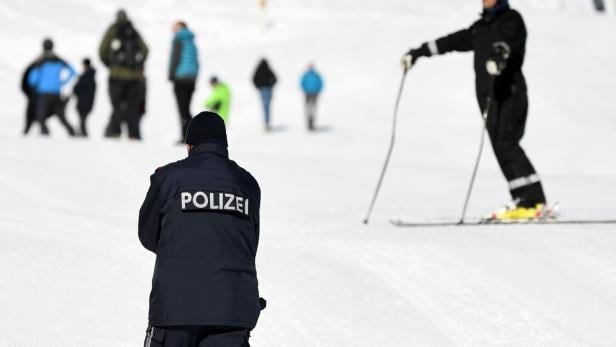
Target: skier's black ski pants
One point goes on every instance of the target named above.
(196, 336)
(506, 124)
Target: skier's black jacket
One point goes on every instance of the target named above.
(201, 218)
(505, 25)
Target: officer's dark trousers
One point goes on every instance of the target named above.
(47, 104)
(125, 100)
(506, 123)
(311, 109)
(196, 336)
(184, 90)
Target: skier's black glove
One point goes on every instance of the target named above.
(409, 59)
(498, 59)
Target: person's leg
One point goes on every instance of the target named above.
(226, 337)
(506, 124)
(43, 108)
(82, 123)
(114, 128)
(183, 95)
(312, 107)
(266, 99)
(59, 108)
(133, 99)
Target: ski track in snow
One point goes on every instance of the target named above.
(72, 271)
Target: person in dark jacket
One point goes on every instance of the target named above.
(124, 52)
(264, 80)
(201, 219)
(312, 84)
(85, 90)
(183, 72)
(498, 40)
(46, 80)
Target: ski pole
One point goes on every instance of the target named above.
(390, 150)
(484, 129)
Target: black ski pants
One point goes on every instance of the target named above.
(311, 109)
(184, 90)
(126, 97)
(48, 104)
(196, 336)
(506, 123)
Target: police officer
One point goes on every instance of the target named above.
(201, 219)
(498, 40)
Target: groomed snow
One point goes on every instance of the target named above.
(72, 271)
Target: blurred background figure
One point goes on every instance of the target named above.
(220, 99)
(312, 84)
(30, 96)
(183, 71)
(264, 80)
(45, 78)
(124, 52)
(599, 5)
(85, 90)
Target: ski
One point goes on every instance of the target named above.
(410, 224)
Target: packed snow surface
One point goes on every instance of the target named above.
(72, 271)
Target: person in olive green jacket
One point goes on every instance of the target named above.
(124, 52)
(220, 99)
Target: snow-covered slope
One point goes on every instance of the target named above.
(72, 272)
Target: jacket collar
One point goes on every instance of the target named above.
(212, 148)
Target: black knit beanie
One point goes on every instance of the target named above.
(206, 127)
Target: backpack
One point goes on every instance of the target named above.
(125, 48)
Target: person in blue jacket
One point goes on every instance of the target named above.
(312, 84)
(183, 71)
(47, 78)
(201, 218)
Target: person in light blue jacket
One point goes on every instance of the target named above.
(312, 84)
(47, 78)
(183, 71)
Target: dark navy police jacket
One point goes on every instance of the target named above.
(201, 218)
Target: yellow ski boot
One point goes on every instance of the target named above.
(512, 213)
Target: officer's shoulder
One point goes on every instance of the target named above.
(167, 169)
(248, 177)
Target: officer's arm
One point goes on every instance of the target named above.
(175, 58)
(150, 215)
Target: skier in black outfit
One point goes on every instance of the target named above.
(85, 89)
(264, 80)
(498, 40)
(201, 218)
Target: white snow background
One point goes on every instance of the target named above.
(72, 271)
